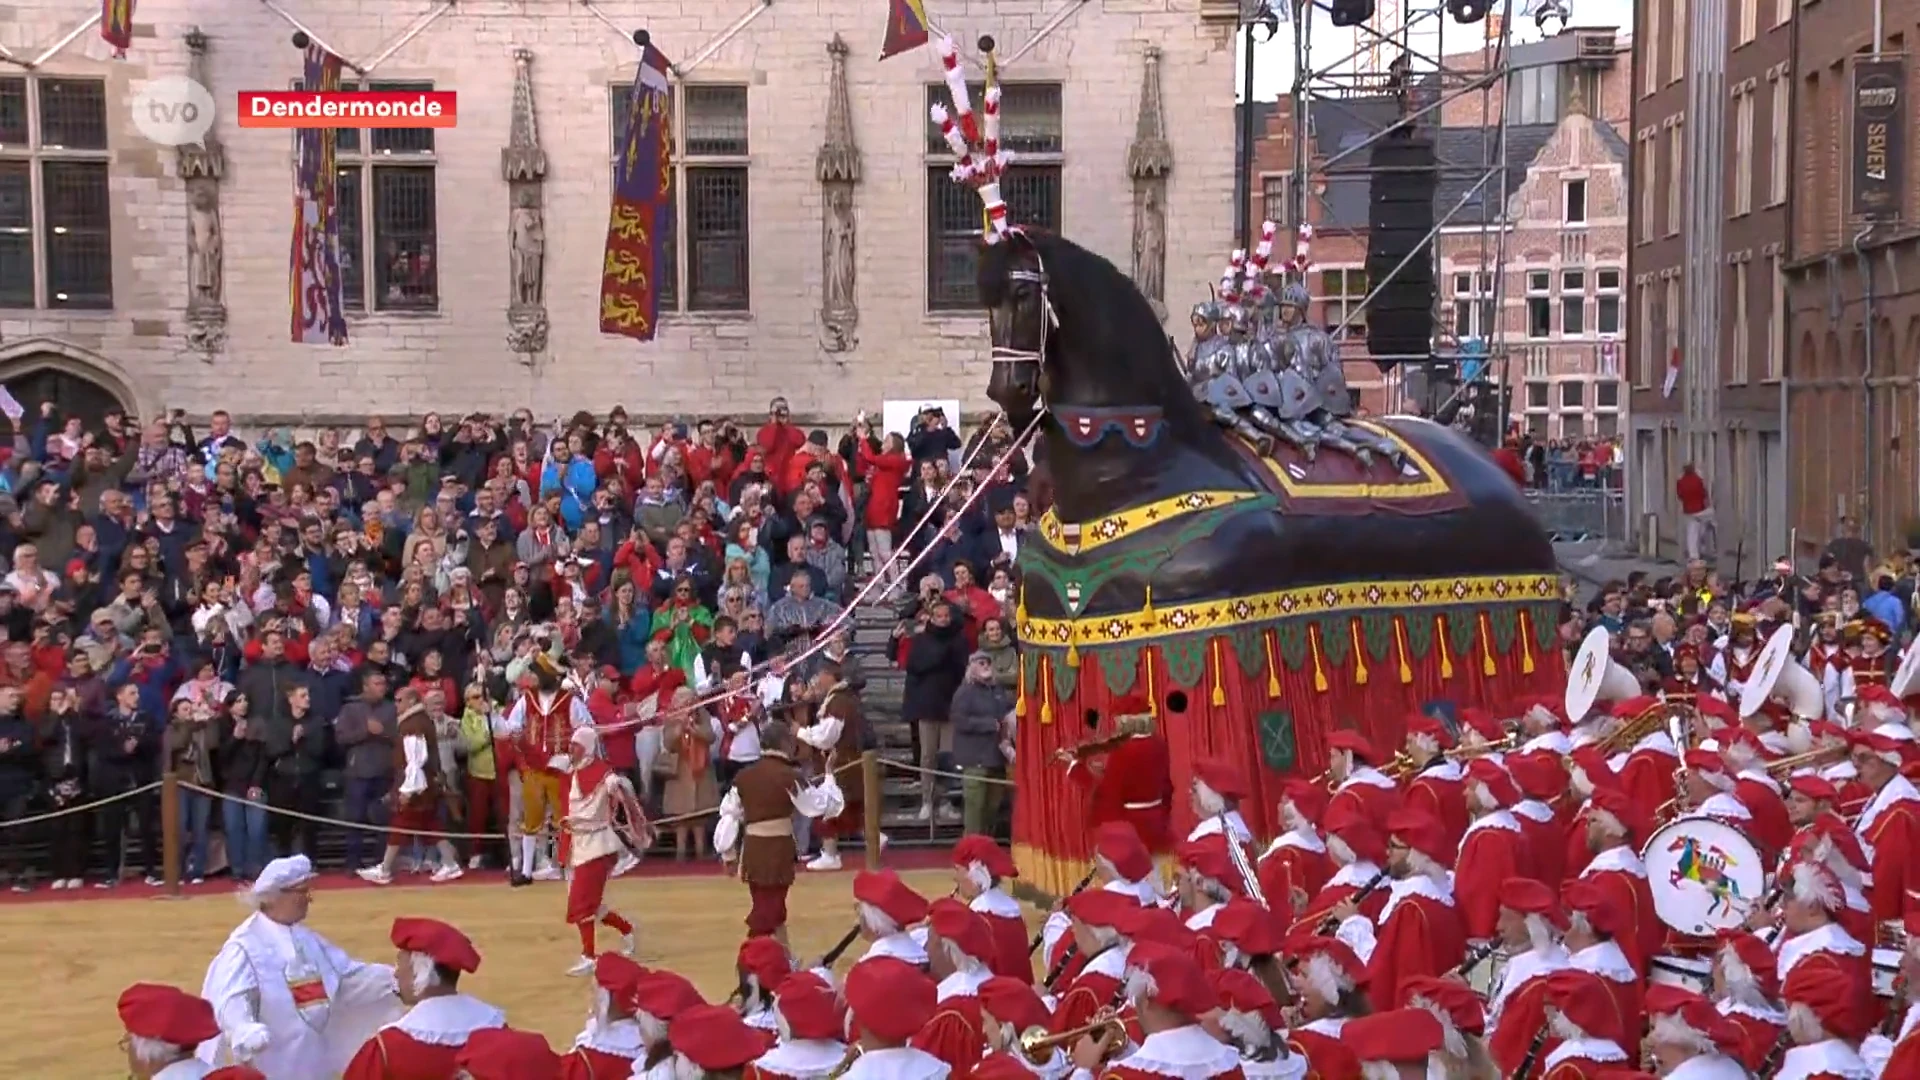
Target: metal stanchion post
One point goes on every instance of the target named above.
(170, 830)
(870, 782)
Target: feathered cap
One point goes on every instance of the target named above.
(979, 159)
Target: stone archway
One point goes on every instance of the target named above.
(79, 381)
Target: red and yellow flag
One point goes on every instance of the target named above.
(906, 27)
(116, 25)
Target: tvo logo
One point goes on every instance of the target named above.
(173, 111)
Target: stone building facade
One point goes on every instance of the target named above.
(101, 220)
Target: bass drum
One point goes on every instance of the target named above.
(1705, 875)
(1686, 972)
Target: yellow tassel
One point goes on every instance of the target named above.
(1046, 694)
(1146, 612)
(1020, 608)
(1153, 698)
(1359, 654)
(1273, 672)
(1486, 647)
(1073, 645)
(1313, 646)
(1020, 702)
(1400, 643)
(1526, 644)
(1219, 689)
(1440, 643)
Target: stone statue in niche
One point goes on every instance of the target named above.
(529, 240)
(205, 247)
(837, 256)
(1150, 242)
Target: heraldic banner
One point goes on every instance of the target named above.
(642, 198)
(116, 26)
(319, 309)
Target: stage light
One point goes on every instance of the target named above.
(1551, 17)
(1351, 12)
(1467, 11)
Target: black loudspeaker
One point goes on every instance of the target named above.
(1468, 11)
(1351, 12)
(1399, 250)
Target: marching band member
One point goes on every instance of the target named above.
(1122, 864)
(595, 792)
(1587, 772)
(812, 1025)
(1709, 790)
(1614, 830)
(1854, 795)
(1869, 661)
(507, 1054)
(885, 908)
(1530, 923)
(960, 952)
(979, 866)
(1811, 935)
(1580, 1015)
(1688, 1039)
(289, 1001)
(1170, 995)
(1811, 796)
(1462, 1019)
(711, 1041)
(1593, 919)
(1825, 1022)
(1545, 727)
(1480, 733)
(658, 997)
(1827, 657)
(1097, 918)
(1354, 765)
(1900, 1055)
(1646, 769)
(1214, 795)
(1757, 790)
(1879, 708)
(1889, 826)
(1743, 991)
(1007, 1008)
(891, 1000)
(1131, 781)
(1360, 852)
(1251, 1023)
(1829, 843)
(1419, 931)
(763, 964)
(755, 834)
(610, 1043)
(1253, 939)
(1330, 981)
(1296, 865)
(1405, 1044)
(1492, 852)
(1596, 728)
(1202, 878)
(1438, 783)
(1688, 685)
(541, 725)
(1732, 666)
(1541, 781)
(439, 1018)
(163, 1025)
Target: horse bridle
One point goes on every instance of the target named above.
(1004, 354)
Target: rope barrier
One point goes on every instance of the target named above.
(68, 811)
(905, 767)
(848, 613)
(427, 834)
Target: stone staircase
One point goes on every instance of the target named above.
(886, 685)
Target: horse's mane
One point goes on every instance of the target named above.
(1104, 317)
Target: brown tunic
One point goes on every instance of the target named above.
(419, 811)
(844, 703)
(766, 794)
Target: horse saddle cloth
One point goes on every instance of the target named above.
(1227, 392)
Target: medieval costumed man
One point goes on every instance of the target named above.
(1009, 1007)
(980, 866)
(1530, 925)
(610, 1044)
(1826, 1022)
(1296, 865)
(163, 1025)
(1462, 1016)
(755, 833)
(1580, 1015)
(1869, 660)
(1744, 991)
(762, 965)
(1170, 995)
(1330, 998)
(891, 1000)
(1810, 929)
(1830, 843)
(1587, 772)
(1097, 917)
(1419, 930)
(598, 799)
(1205, 868)
(1215, 794)
(439, 1018)
(1130, 781)
(658, 998)
(1354, 766)
(1438, 783)
(1541, 781)
(1889, 826)
(1248, 937)
(889, 914)
(1493, 850)
(1397, 1045)
(1614, 829)
(710, 1042)
(1646, 769)
(1361, 880)
(421, 794)
(1732, 665)
(289, 1001)
(1122, 864)
(812, 1026)
(960, 951)
(541, 724)
(1251, 1021)
(507, 1054)
(1899, 1053)
(1688, 1039)
(1593, 922)
(834, 737)
(1759, 792)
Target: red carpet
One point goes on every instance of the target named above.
(652, 866)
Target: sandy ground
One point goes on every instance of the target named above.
(68, 962)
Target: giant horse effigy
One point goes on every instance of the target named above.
(1260, 565)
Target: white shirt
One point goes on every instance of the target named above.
(1709, 1067)
(901, 946)
(1831, 1056)
(897, 1063)
(1828, 939)
(1184, 1053)
(803, 1059)
(621, 1038)
(962, 984)
(447, 1021)
(1210, 825)
(188, 1069)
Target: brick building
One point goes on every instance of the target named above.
(1713, 85)
(1554, 291)
(1853, 438)
(94, 221)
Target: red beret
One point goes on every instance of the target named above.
(1420, 723)
(1833, 992)
(1530, 897)
(508, 1054)
(1633, 706)
(890, 998)
(1308, 798)
(1585, 1001)
(714, 1038)
(883, 889)
(617, 975)
(966, 928)
(1595, 904)
(1538, 774)
(1461, 1007)
(1209, 857)
(1495, 779)
(1119, 844)
(1483, 722)
(1153, 923)
(766, 960)
(664, 995)
(810, 1007)
(446, 946)
(1420, 831)
(978, 848)
(1175, 981)
(1225, 778)
(1753, 954)
(167, 1014)
(1131, 705)
(1814, 786)
(1240, 991)
(1102, 907)
(1399, 1037)
(1705, 761)
(1621, 807)
(1250, 927)
(1011, 1001)
(1355, 743)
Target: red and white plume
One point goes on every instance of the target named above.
(1255, 283)
(1300, 261)
(1231, 277)
(979, 160)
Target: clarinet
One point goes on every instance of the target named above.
(1034, 945)
(1060, 967)
(1477, 957)
(839, 948)
(1331, 924)
(1533, 1051)
(1771, 1064)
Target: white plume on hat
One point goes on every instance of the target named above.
(1815, 885)
(1324, 977)
(1454, 1043)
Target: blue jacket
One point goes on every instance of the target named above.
(633, 641)
(574, 482)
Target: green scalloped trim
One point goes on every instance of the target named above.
(1186, 659)
(1058, 575)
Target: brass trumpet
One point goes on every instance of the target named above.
(1784, 767)
(1402, 767)
(1037, 1044)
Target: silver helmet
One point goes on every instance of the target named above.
(1207, 311)
(1294, 294)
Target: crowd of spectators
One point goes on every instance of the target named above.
(254, 613)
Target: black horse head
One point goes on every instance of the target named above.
(1069, 328)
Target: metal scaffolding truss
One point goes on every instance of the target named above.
(1354, 88)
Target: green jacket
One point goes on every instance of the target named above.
(476, 741)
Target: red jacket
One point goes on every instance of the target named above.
(884, 474)
(1509, 462)
(779, 442)
(1691, 491)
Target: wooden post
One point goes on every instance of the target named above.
(875, 795)
(170, 830)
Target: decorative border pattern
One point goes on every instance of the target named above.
(1077, 537)
(1434, 482)
(1209, 616)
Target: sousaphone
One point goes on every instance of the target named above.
(1906, 680)
(1777, 674)
(1596, 677)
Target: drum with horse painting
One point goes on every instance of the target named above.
(1705, 875)
(1687, 972)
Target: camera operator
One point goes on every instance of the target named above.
(932, 439)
